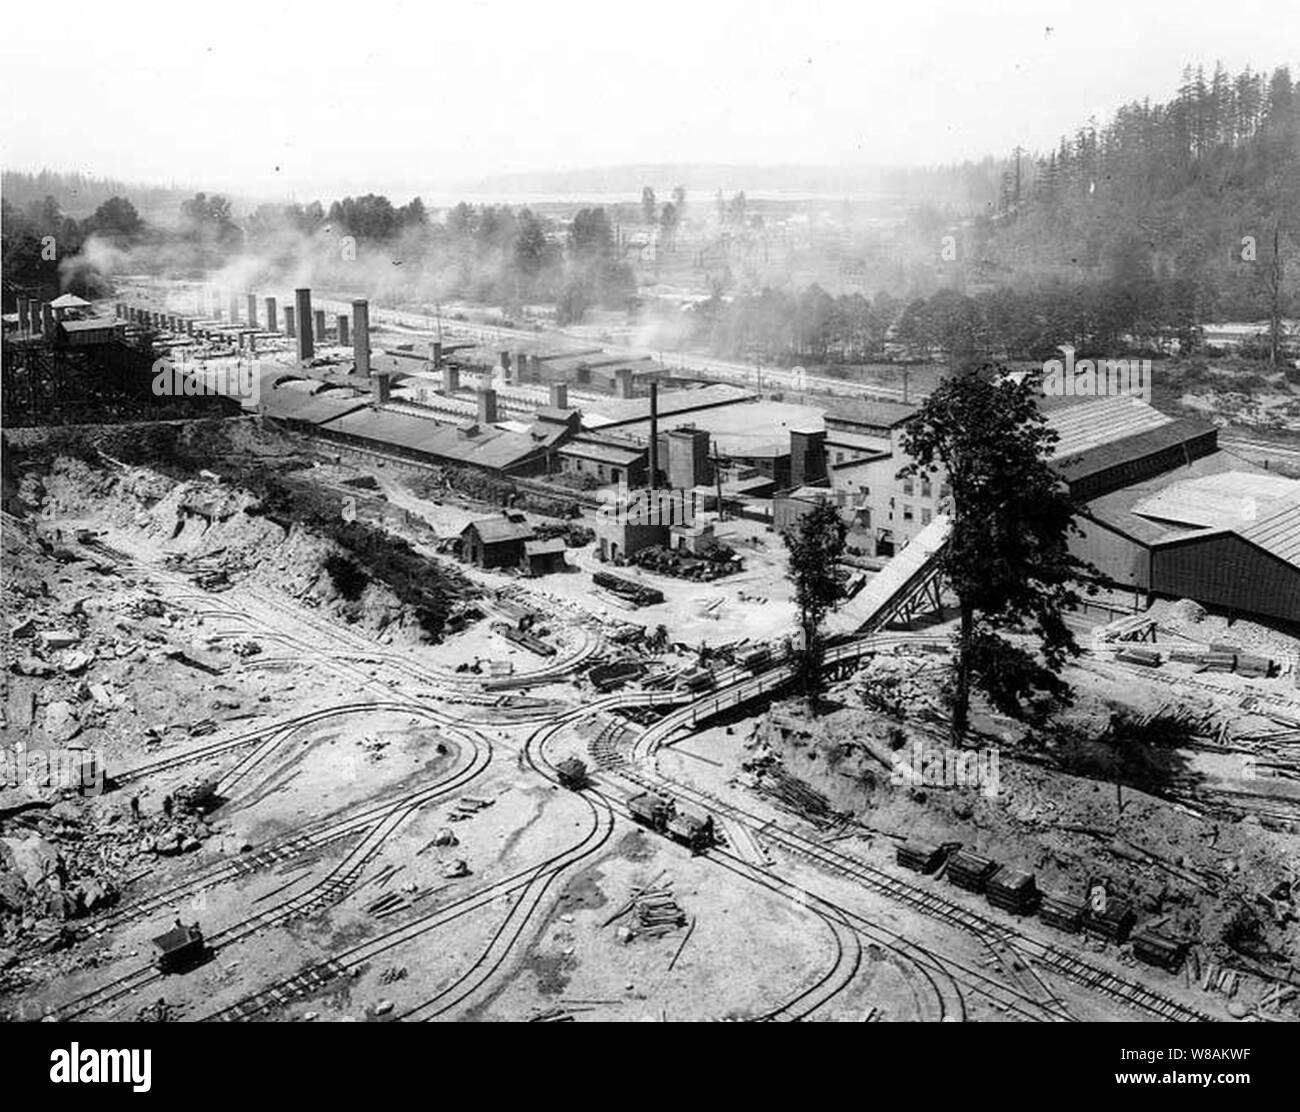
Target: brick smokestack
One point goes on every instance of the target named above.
(343, 329)
(623, 382)
(47, 319)
(361, 336)
(450, 380)
(559, 395)
(320, 325)
(289, 322)
(24, 315)
(505, 367)
(437, 355)
(382, 387)
(306, 348)
(654, 435)
(535, 368)
(272, 323)
(487, 405)
(252, 310)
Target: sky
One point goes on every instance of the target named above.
(285, 101)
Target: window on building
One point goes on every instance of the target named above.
(907, 513)
(907, 487)
(925, 488)
(944, 490)
(839, 457)
(925, 517)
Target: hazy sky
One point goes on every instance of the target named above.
(277, 99)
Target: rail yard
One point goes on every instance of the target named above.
(585, 795)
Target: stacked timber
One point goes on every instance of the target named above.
(1062, 912)
(1154, 948)
(1113, 923)
(1013, 890)
(920, 857)
(970, 870)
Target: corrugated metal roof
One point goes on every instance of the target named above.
(1279, 532)
(487, 448)
(1088, 424)
(603, 453)
(314, 409)
(862, 411)
(1125, 449)
(1231, 498)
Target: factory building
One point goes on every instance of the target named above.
(1165, 513)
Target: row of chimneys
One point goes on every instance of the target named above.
(36, 316)
(514, 368)
(298, 323)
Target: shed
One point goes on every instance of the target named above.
(495, 542)
(180, 948)
(543, 557)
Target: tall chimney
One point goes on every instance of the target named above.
(320, 325)
(306, 349)
(487, 405)
(234, 308)
(361, 336)
(654, 435)
(534, 368)
(272, 325)
(437, 355)
(382, 386)
(623, 382)
(24, 318)
(343, 329)
(559, 395)
(47, 319)
(289, 322)
(505, 367)
(450, 379)
(252, 310)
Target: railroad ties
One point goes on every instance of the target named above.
(280, 995)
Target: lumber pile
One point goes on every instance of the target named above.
(1062, 912)
(796, 796)
(920, 857)
(970, 870)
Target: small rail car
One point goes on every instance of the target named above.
(181, 948)
(660, 814)
(573, 774)
(698, 679)
(758, 657)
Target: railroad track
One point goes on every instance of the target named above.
(322, 892)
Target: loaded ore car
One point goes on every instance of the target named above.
(1154, 948)
(1113, 923)
(572, 773)
(181, 948)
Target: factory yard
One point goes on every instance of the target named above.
(371, 822)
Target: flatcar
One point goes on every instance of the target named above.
(698, 679)
(758, 657)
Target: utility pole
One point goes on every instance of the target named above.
(1275, 289)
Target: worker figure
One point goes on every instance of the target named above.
(135, 807)
(167, 806)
